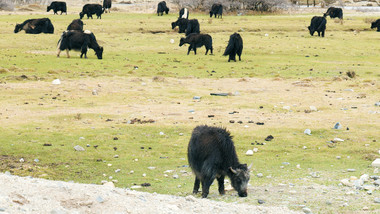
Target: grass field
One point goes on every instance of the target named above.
(283, 72)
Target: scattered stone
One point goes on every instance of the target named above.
(338, 157)
(161, 133)
(116, 156)
(377, 200)
(88, 145)
(285, 163)
(131, 172)
(346, 182)
(337, 125)
(260, 123)
(269, 138)
(351, 170)
(307, 131)
(110, 164)
(364, 178)
(345, 204)
(328, 202)
(47, 144)
(144, 174)
(286, 107)
(377, 104)
(313, 108)
(376, 163)
(255, 150)
(22, 160)
(175, 176)
(196, 98)
(136, 187)
(190, 198)
(365, 208)
(94, 92)
(260, 201)
(249, 153)
(146, 185)
(78, 148)
(298, 166)
(36, 160)
(151, 167)
(118, 170)
(109, 184)
(232, 121)
(338, 140)
(99, 199)
(304, 147)
(115, 138)
(306, 210)
(56, 82)
(259, 175)
(315, 174)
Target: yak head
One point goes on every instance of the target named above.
(174, 24)
(311, 31)
(373, 25)
(48, 8)
(18, 28)
(99, 52)
(240, 178)
(211, 13)
(81, 14)
(181, 41)
(167, 10)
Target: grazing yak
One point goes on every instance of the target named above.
(216, 9)
(211, 154)
(184, 13)
(161, 8)
(235, 46)
(107, 5)
(334, 12)
(57, 6)
(376, 24)
(35, 26)
(187, 26)
(318, 23)
(90, 9)
(76, 24)
(81, 41)
(196, 40)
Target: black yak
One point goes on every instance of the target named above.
(192, 27)
(376, 24)
(57, 6)
(184, 13)
(211, 154)
(76, 24)
(196, 41)
(318, 23)
(107, 5)
(35, 26)
(161, 8)
(90, 9)
(81, 41)
(235, 46)
(182, 25)
(334, 12)
(216, 9)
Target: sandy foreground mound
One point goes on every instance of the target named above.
(32, 195)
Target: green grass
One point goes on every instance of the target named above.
(31, 116)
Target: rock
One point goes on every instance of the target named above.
(374, 177)
(259, 175)
(144, 174)
(377, 104)
(175, 176)
(116, 156)
(286, 107)
(269, 138)
(313, 108)
(151, 167)
(346, 182)
(99, 199)
(377, 183)
(136, 187)
(196, 98)
(364, 178)
(36, 160)
(315, 175)
(304, 147)
(377, 200)
(190, 198)
(109, 184)
(358, 185)
(351, 170)
(328, 202)
(376, 163)
(110, 164)
(249, 153)
(171, 41)
(345, 205)
(338, 140)
(306, 210)
(298, 166)
(337, 125)
(118, 170)
(7, 173)
(161, 133)
(2, 209)
(352, 178)
(338, 157)
(307, 131)
(56, 82)
(78, 148)
(260, 201)
(285, 163)
(21, 160)
(255, 150)
(365, 208)
(94, 92)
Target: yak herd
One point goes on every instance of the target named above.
(211, 151)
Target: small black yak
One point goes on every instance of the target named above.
(161, 8)
(196, 40)
(334, 12)
(57, 6)
(184, 13)
(211, 154)
(35, 26)
(81, 41)
(235, 46)
(182, 25)
(216, 9)
(76, 24)
(192, 27)
(376, 24)
(318, 23)
(90, 9)
(107, 4)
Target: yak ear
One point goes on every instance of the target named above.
(232, 170)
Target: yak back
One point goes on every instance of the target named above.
(181, 23)
(318, 23)
(234, 44)
(76, 24)
(57, 6)
(74, 40)
(184, 13)
(35, 26)
(192, 27)
(213, 146)
(198, 39)
(216, 9)
(107, 4)
(375, 24)
(334, 12)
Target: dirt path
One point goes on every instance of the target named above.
(31, 195)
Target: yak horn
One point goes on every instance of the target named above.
(250, 166)
(232, 170)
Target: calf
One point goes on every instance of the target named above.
(196, 41)
(81, 41)
(107, 5)
(76, 24)
(35, 26)
(216, 9)
(334, 12)
(184, 13)
(57, 6)
(235, 46)
(318, 23)
(90, 9)
(211, 154)
(376, 24)
(161, 8)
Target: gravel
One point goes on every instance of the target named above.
(33, 195)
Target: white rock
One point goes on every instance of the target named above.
(116, 156)
(338, 139)
(338, 157)
(136, 187)
(144, 175)
(172, 41)
(175, 176)
(255, 150)
(307, 131)
(94, 92)
(346, 182)
(249, 153)
(190, 198)
(131, 172)
(151, 167)
(298, 166)
(376, 163)
(313, 108)
(109, 184)
(266, 34)
(78, 148)
(118, 170)
(56, 82)
(259, 175)
(22, 160)
(364, 178)
(109, 164)
(304, 147)
(286, 107)
(161, 133)
(169, 171)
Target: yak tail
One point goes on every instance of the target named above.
(323, 23)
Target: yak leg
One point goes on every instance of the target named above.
(319, 33)
(189, 49)
(323, 33)
(221, 185)
(67, 53)
(206, 51)
(58, 52)
(196, 185)
(378, 29)
(195, 50)
(206, 183)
